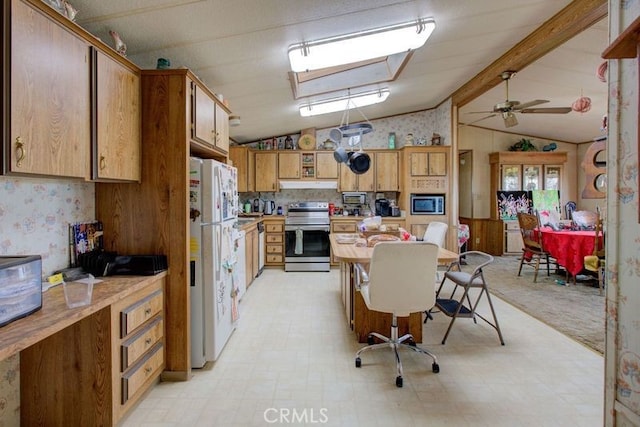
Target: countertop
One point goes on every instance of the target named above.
(55, 315)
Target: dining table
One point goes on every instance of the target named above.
(569, 247)
(351, 249)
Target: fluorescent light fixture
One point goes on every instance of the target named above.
(343, 103)
(360, 46)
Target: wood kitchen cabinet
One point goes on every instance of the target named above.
(89, 365)
(266, 175)
(48, 94)
(210, 121)
(386, 167)
(425, 169)
(252, 254)
(274, 241)
(163, 191)
(350, 181)
(289, 165)
(117, 140)
(242, 159)
(326, 166)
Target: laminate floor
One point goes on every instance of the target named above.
(291, 362)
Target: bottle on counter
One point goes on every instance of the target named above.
(279, 210)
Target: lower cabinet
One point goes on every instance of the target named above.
(252, 254)
(137, 326)
(274, 241)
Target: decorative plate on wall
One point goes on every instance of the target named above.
(307, 142)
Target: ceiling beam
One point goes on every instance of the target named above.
(569, 22)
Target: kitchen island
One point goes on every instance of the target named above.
(362, 320)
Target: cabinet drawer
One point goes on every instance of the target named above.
(274, 249)
(133, 348)
(274, 258)
(135, 315)
(135, 379)
(343, 227)
(274, 238)
(274, 228)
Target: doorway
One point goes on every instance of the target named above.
(465, 188)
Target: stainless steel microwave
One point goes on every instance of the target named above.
(427, 204)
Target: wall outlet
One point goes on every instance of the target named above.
(477, 240)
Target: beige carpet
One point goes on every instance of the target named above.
(575, 310)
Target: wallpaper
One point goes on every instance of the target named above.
(34, 218)
(35, 215)
(622, 354)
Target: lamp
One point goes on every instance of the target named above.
(360, 46)
(234, 121)
(332, 105)
(510, 119)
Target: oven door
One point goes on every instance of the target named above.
(307, 241)
(307, 247)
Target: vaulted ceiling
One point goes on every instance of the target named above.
(239, 49)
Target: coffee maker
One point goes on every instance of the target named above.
(383, 207)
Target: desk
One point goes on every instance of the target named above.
(568, 247)
(362, 320)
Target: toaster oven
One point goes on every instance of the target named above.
(20, 287)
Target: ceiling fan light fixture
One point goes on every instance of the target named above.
(343, 103)
(360, 46)
(510, 119)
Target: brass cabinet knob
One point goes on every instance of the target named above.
(103, 163)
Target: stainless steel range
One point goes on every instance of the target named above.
(306, 232)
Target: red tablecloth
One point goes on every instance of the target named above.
(569, 247)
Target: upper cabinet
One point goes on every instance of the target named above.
(242, 159)
(74, 104)
(266, 173)
(117, 116)
(47, 94)
(210, 121)
(387, 171)
(426, 169)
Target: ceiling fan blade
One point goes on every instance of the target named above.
(550, 110)
(480, 112)
(476, 121)
(530, 104)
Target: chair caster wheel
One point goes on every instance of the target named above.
(358, 362)
(370, 340)
(398, 381)
(435, 368)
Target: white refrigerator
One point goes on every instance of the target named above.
(213, 204)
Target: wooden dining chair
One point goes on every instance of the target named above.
(596, 261)
(533, 252)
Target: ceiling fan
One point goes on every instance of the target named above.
(507, 108)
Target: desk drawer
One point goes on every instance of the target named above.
(274, 238)
(274, 228)
(274, 249)
(133, 348)
(274, 258)
(135, 379)
(135, 315)
(339, 227)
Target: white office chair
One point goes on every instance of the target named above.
(395, 284)
(436, 233)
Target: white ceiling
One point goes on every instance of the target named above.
(239, 49)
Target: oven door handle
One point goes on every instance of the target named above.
(306, 227)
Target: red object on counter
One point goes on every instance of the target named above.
(332, 209)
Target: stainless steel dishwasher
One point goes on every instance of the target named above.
(261, 247)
